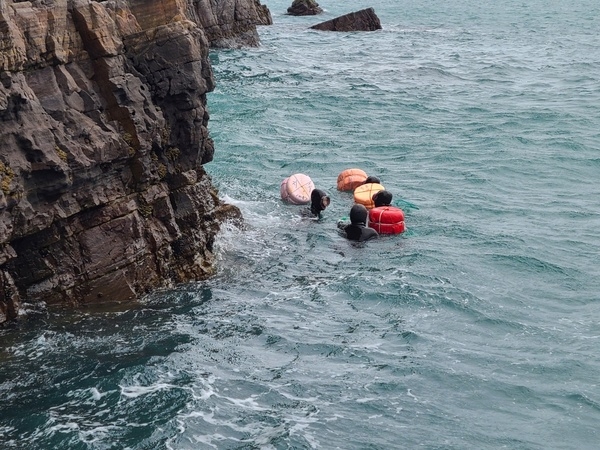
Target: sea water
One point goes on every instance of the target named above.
(478, 328)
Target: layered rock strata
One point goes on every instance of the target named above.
(103, 137)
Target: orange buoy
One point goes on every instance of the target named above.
(296, 189)
(363, 194)
(350, 179)
(387, 220)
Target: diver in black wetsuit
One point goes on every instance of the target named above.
(319, 200)
(382, 198)
(357, 230)
(372, 179)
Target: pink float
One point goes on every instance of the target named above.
(296, 189)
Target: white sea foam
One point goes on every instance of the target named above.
(134, 391)
(96, 395)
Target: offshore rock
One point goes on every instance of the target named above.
(363, 20)
(304, 8)
(103, 194)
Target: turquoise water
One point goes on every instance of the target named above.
(477, 328)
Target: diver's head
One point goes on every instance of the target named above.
(382, 198)
(358, 214)
(372, 179)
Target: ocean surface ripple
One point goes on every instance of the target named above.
(478, 328)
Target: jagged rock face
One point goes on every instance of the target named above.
(304, 8)
(102, 140)
(363, 20)
(231, 27)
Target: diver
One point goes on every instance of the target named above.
(319, 201)
(372, 179)
(382, 198)
(357, 229)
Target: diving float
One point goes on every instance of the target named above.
(364, 193)
(387, 220)
(350, 179)
(296, 189)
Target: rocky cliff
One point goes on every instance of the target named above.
(103, 137)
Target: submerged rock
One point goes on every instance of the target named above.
(304, 8)
(103, 194)
(363, 20)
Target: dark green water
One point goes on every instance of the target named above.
(476, 329)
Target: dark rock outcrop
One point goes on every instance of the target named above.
(304, 8)
(103, 138)
(363, 20)
(231, 23)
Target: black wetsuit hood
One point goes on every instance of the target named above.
(372, 179)
(319, 200)
(382, 198)
(358, 215)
